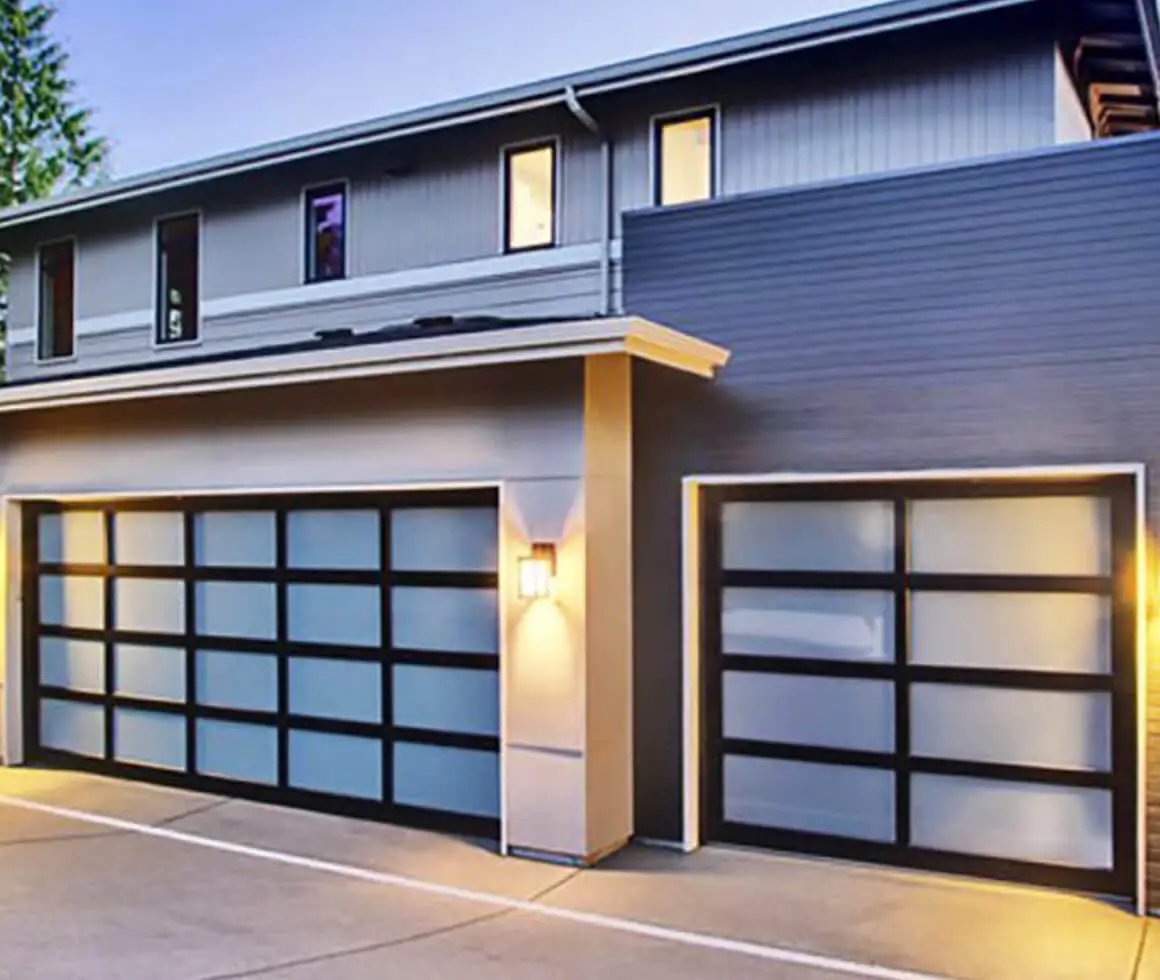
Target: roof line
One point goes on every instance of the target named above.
(835, 28)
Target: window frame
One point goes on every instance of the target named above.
(304, 234)
(507, 152)
(657, 123)
(156, 341)
(41, 357)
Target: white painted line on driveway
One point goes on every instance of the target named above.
(629, 926)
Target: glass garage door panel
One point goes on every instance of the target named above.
(450, 620)
(149, 605)
(438, 539)
(819, 799)
(347, 615)
(76, 601)
(237, 751)
(75, 537)
(438, 777)
(238, 539)
(343, 765)
(1061, 825)
(808, 623)
(323, 688)
(333, 539)
(246, 610)
(825, 536)
(149, 738)
(76, 665)
(446, 699)
(1012, 536)
(1055, 729)
(1048, 631)
(149, 672)
(72, 727)
(246, 681)
(835, 712)
(149, 538)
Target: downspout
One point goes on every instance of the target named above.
(577, 109)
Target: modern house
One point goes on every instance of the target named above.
(747, 444)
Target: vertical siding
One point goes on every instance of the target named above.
(999, 314)
(22, 291)
(250, 244)
(115, 271)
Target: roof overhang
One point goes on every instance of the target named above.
(547, 342)
(849, 25)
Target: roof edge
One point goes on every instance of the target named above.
(709, 56)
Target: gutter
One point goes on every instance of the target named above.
(572, 101)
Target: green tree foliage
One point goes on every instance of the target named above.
(46, 139)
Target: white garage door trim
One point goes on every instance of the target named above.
(14, 694)
(692, 598)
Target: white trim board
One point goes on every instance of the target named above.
(466, 273)
(691, 600)
(549, 341)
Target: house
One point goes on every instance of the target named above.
(746, 443)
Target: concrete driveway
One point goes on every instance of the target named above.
(101, 878)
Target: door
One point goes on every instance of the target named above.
(938, 675)
(335, 652)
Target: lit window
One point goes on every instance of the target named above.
(530, 189)
(326, 233)
(684, 164)
(56, 329)
(177, 279)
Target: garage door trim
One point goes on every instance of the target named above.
(701, 496)
(279, 503)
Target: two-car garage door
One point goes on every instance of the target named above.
(334, 652)
(938, 675)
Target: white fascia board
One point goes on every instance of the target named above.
(551, 341)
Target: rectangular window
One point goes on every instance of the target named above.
(56, 330)
(325, 233)
(530, 197)
(177, 279)
(684, 147)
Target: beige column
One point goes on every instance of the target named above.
(567, 673)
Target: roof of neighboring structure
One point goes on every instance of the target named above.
(404, 349)
(1114, 41)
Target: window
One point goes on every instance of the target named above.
(684, 150)
(326, 233)
(56, 328)
(530, 197)
(177, 279)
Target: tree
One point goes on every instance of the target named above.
(46, 139)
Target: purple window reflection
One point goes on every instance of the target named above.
(326, 233)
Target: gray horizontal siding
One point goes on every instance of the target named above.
(573, 291)
(995, 314)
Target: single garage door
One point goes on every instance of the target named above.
(935, 675)
(332, 652)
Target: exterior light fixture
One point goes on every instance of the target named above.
(538, 571)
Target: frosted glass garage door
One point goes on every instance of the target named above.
(938, 676)
(335, 652)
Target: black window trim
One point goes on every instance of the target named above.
(158, 306)
(506, 153)
(40, 355)
(657, 124)
(309, 191)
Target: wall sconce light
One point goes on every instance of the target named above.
(538, 571)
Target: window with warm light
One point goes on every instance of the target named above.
(537, 572)
(530, 197)
(685, 148)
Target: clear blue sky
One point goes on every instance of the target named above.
(173, 80)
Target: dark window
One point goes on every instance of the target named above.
(177, 275)
(530, 197)
(326, 233)
(56, 327)
(684, 150)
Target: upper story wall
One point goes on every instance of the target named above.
(425, 216)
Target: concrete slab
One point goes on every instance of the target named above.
(139, 909)
(121, 798)
(1149, 968)
(930, 923)
(445, 860)
(523, 947)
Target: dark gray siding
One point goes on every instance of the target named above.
(994, 314)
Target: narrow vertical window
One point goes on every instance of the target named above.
(56, 328)
(326, 233)
(685, 152)
(177, 279)
(530, 197)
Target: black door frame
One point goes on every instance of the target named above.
(1120, 585)
(281, 576)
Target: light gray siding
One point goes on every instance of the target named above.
(437, 200)
(22, 290)
(1071, 121)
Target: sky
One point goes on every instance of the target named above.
(176, 80)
